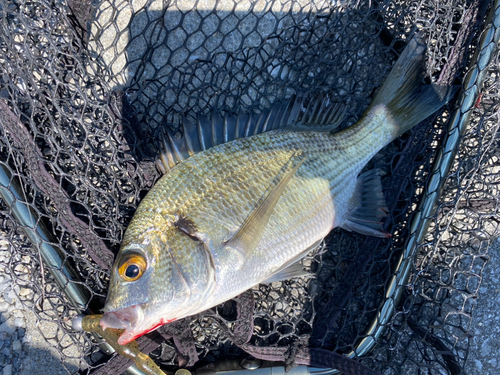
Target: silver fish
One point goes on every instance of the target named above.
(246, 211)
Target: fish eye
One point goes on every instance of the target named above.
(132, 271)
(132, 267)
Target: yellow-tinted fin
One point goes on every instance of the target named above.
(248, 236)
(367, 206)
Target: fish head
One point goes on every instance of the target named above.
(153, 282)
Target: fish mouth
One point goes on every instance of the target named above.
(129, 318)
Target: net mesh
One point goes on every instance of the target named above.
(89, 87)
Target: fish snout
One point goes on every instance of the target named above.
(126, 318)
(133, 321)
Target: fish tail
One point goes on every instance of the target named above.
(406, 100)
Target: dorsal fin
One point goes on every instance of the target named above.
(307, 112)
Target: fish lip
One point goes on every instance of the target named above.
(127, 318)
(132, 320)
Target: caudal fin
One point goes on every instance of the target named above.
(403, 95)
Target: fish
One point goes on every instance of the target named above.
(246, 211)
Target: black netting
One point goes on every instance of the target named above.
(86, 89)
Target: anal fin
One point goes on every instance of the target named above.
(292, 268)
(367, 206)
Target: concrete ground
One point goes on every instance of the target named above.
(485, 344)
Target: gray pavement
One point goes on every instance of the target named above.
(485, 344)
(24, 348)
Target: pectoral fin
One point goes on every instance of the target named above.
(246, 239)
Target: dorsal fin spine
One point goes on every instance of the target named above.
(214, 133)
(225, 135)
(264, 127)
(177, 154)
(187, 137)
(237, 127)
(257, 125)
(201, 137)
(167, 156)
(247, 127)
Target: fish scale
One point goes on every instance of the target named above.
(330, 161)
(246, 211)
